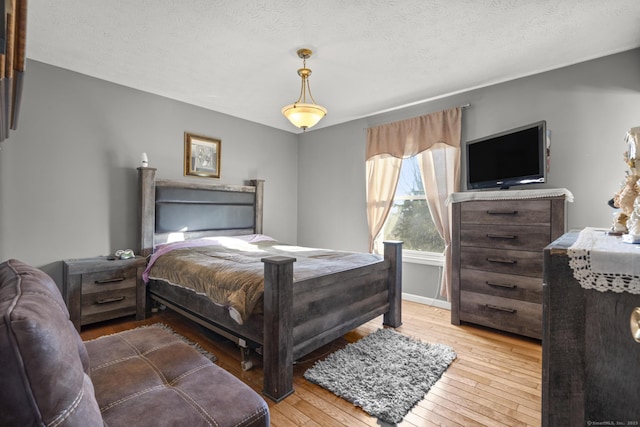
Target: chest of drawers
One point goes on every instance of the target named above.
(497, 261)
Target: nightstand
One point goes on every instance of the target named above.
(97, 289)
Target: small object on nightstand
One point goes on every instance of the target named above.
(97, 289)
(124, 253)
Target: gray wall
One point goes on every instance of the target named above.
(68, 182)
(588, 107)
(68, 178)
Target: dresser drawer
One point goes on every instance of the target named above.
(502, 285)
(508, 212)
(521, 237)
(519, 317)
(523, 263)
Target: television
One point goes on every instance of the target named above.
(513, 157)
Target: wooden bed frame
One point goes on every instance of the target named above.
(296, 319)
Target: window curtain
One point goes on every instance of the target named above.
(383, 173)
(440, 171)
(435, 139)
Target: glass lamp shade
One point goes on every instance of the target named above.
(304, 116)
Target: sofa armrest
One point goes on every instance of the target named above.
(43, 361)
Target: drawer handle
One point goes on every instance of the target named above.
(115, 279)
(502, 212)
(502, 285)
(109, 300)
(503, 261)
(505, 309)
(502, 236)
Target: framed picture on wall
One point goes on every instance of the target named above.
(201, 156)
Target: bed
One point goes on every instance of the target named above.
(295, 316)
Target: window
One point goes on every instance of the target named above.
(410, 219)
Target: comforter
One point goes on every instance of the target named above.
(230, 272)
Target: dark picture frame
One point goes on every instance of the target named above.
(201, 156)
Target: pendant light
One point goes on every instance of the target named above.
(302, 114)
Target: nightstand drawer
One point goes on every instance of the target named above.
(108, 304)
(110, 279)
(508, 212)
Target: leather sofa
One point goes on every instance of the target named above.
(141, 377)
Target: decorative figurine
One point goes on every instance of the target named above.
(626, 199)
(619, 224)
(633, 223)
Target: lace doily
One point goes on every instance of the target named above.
(465, 196)
(604, 262)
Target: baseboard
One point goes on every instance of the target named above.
(427, 301)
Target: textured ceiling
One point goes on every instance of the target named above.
(239, 56)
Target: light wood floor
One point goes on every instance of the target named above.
(495, 380)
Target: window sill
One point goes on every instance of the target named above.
(426, 258)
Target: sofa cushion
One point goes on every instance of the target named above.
(149, 377)
(43, 362)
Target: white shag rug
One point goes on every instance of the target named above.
(385, 373)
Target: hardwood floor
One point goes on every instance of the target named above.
(495, 380)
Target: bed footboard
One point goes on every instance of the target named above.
(318, 311)
(393, 253)
(277, 353)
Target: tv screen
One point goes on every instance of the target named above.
(513, 157)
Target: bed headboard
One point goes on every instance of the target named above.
(194, 210)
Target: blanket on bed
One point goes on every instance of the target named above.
(230, 272)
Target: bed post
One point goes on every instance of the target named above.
(146, 209)
(393, 253)
(259, 184)
(277, 354)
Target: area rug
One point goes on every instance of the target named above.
(384, 373)
(195, 345)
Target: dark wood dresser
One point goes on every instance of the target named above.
(497, 257)
(97, 289)
(590, 359)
